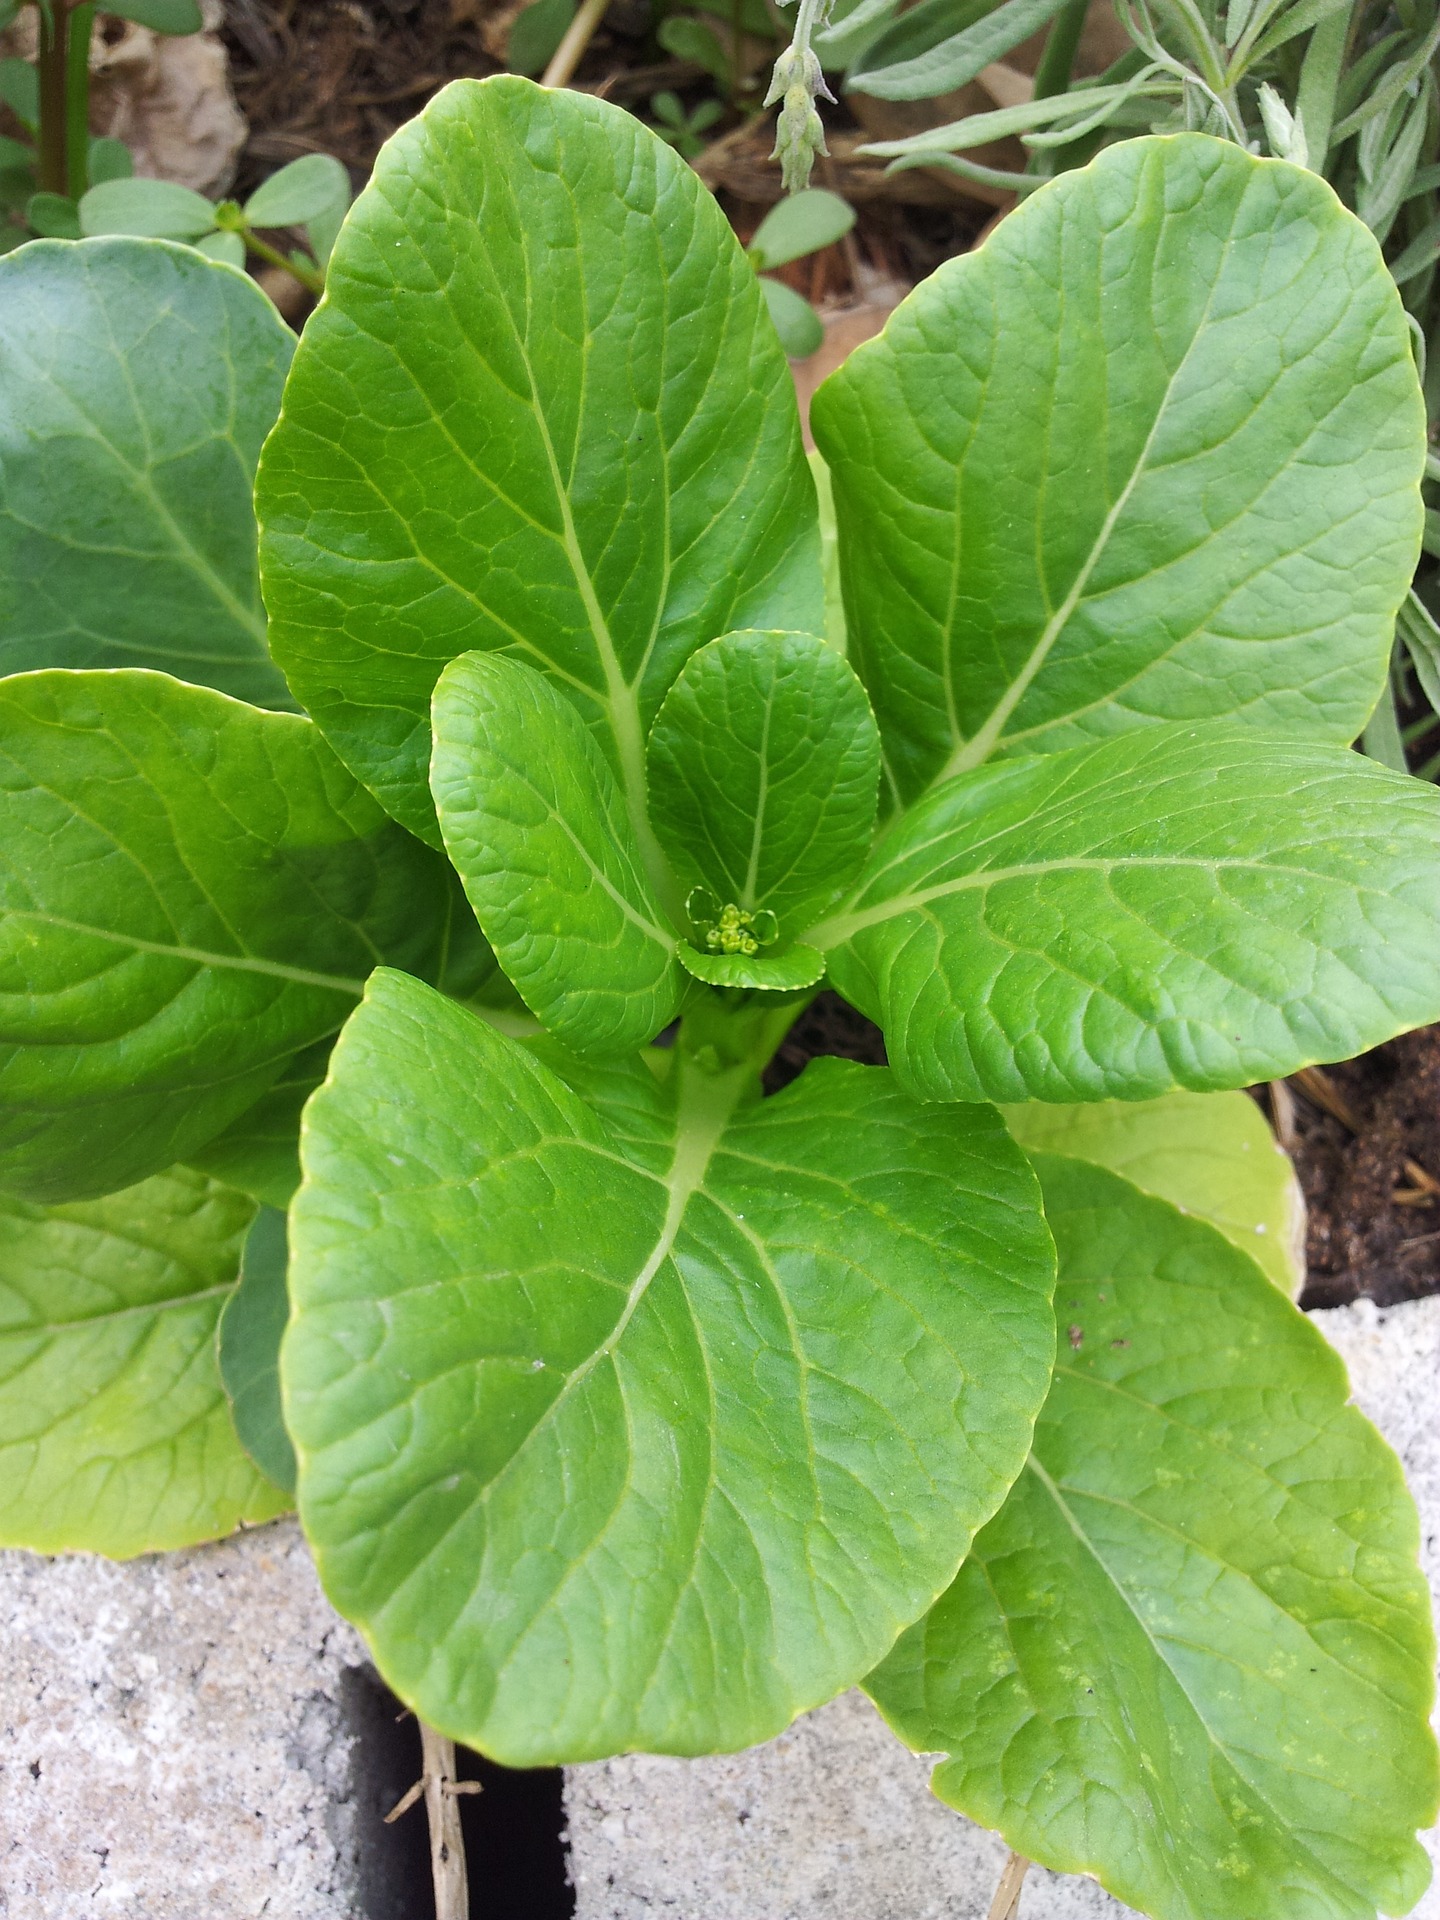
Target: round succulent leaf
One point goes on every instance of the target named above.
(191, 890)
(251, 1327)
(763, 765)
(1184, 907)
(137, 381)
(115, 1435)
(305, 190)
(783, 972)
(1192, 1655)
(1152, 453)
(539, 833)
(149, 209)
(801, 223)
(1210, 1154)
(604, 1448)
(586, 454)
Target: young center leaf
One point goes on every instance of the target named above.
(649, 1422)
(1209, 1154)
(115, 1436)
(251, 1327)
(541, 411)
(1182, 907)
(763, 765)
(539, 832)
(1151, 453)
(191, 890)
(137, 380)
(1192, 1654)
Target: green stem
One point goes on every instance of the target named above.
(1057, 63)
(310, 277)
(77, 98)
(52, 171)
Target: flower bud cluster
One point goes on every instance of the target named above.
(799, 131)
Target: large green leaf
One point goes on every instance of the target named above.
(137, 380)
(260, 1152)
(1152, 453)
(541, 411)
(538, 831)
(763, 765)
(115, 1435)
(647, 1422)
(1192, 1654)
(1184, 907)
(1210, 1154)
(191, 890)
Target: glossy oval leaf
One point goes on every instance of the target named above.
(191, 890)
(763, 765)
(1192, 1655)
(645, 1435)
(535, 823)
(252, 1325)
(1186, 907)
(1152, 453)
(115, 1435)
(586, 453)
(1209, 1154)
(137, 381)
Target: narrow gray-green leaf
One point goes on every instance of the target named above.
(252, 1325)
(653, 1434)
(763, 765)
(1192, 1655)
(940, 45)
(541, 411)
(115, 1436)
(137, 381)
(191, 890)
(539, 833)
(260, 1152)
(1152, 453)
(1184, 907)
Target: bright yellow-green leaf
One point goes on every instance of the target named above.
(1209, 1154)
(115, 1434)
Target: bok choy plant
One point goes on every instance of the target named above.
(630, 1408)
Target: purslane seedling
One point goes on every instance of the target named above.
(630, 1408)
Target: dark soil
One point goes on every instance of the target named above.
(1361, 1241)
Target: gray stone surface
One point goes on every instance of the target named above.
(834, 1817)
(177, 1739)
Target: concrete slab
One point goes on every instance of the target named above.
(835, 1818)
(178, 1740)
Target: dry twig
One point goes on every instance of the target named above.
(1006, 1903)
(447, 1843)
